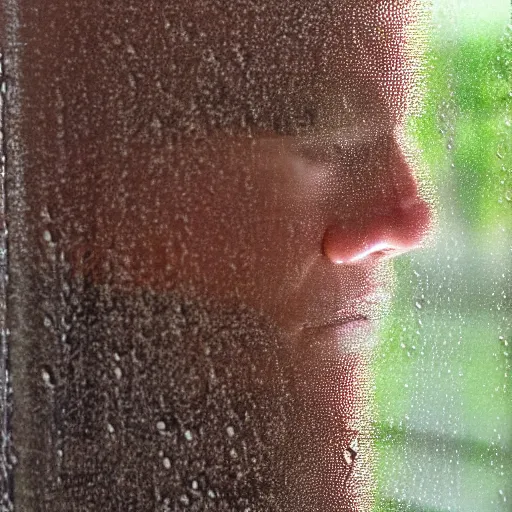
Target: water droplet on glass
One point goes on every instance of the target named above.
(188, 435)
(166, 462)
(47, 236)
(231, 431)
(47, 377)
(350, 453)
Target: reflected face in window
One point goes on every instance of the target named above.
(265, 186)
(278, 180)
(292, 226)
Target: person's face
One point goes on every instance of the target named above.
(289, 209)
(288, 215)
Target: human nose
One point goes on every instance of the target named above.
(389, 216)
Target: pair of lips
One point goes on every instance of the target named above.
(336, 323)
(334, 340)
(370, 307)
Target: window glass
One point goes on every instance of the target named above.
(255, 255)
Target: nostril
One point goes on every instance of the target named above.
(346, 245)
(385, 253)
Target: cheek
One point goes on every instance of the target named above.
(293, 219)
(261, 227)
(238, 221)
(226, 228)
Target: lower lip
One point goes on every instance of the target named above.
(353, 336)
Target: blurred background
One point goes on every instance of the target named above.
(443, 371)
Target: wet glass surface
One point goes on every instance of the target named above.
(204, 204)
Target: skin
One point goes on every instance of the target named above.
(259, 183)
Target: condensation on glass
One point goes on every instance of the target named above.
(204, 203)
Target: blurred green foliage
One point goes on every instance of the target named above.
(467, 124)
(465, 135)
